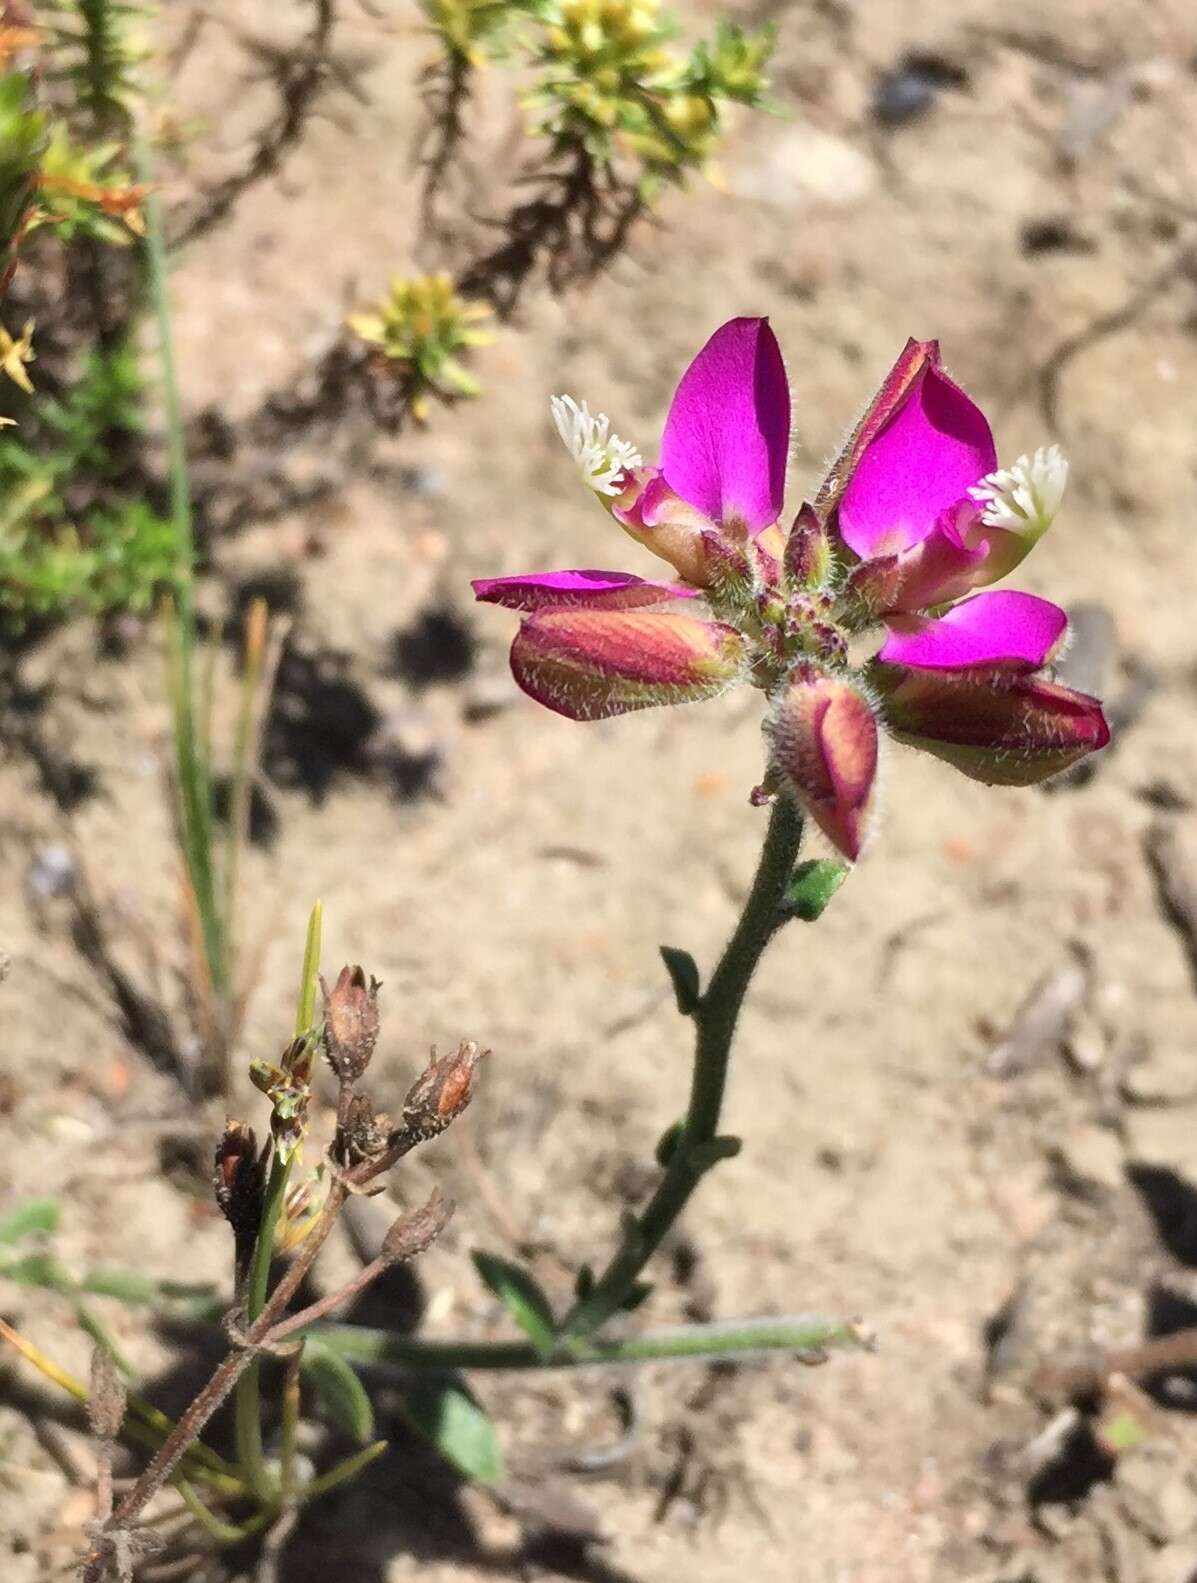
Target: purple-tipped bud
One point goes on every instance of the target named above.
(808, 552)
(590, 664)
(999, 728)
(823, 747)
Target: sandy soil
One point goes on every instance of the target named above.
(989, 1207)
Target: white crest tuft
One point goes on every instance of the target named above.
(1025, 497)
(602, 458)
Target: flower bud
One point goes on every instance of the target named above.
(350, 1022)
(591, 664)
(1000, 728)
(808, 551)
(823, 747)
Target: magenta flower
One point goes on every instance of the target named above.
(914, 517)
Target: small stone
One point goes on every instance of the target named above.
(1162, 1136)
(1161, 1503)
(1175, 1563)
(1161, 1075)
(807, 164)
(1088, 1159)
(1085, 1044)
(909, 89)
(52, 872)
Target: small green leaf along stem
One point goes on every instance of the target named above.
(808, 1335)
(715, 1016)
(247, 1407)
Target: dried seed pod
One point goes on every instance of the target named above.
(414, 1233)
(107, 1397)
(350, 1022)
(441, 1092)
(238, 1181)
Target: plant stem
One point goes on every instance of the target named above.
(809, 1335)
(191, 768)
(247, 1408)
(715, 1018)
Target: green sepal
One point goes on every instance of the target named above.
(668, 1141)
(683, 975)
(811, 887)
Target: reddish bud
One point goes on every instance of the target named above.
(823, 736)
(1002, 729)
(807, 551)
(591, 664)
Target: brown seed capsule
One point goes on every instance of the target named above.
(350, 1022)
(414, 1233)
(442, 1091)
(106, 1399)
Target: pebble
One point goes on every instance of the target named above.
(807, 164)
(1175, 1563)
(51, 872)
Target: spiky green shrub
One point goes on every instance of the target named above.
(71, 538)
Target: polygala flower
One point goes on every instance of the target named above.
(912, 520)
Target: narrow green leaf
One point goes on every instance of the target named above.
(449, 1418)
(24, 1220)
(812, 886)
(341, 1393)
(584, 1282)
(522, 1297)
(126, 1285)
(38, 1269)
(683, 975)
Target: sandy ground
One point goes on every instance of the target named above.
(988, 1209)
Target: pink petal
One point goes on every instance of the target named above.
(1002, 730)
(911, 361)
(590, 664)
(573, 589)
(727, 437)
(1008, 629)
(934, 447)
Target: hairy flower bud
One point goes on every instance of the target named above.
(823, 745)
(808, 550)
(590, 664)
(1002, 729)
(350, 1022)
